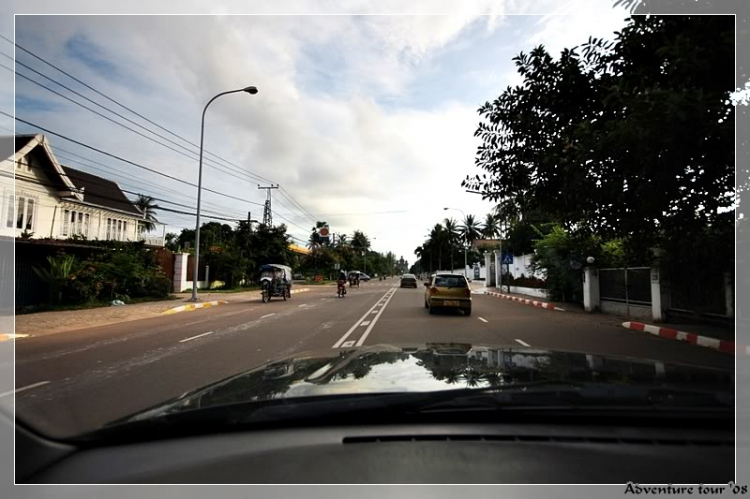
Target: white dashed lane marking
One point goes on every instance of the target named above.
(23, 389)
(482, 319)
(267, 315)
(523, 343)
(195, 337)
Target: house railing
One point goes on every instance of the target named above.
(152, 239)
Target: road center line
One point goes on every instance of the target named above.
(19, 390)
(267, 315)
(375, 320)
(523, 343)
(194, 337)
(351, 329)
(482, 319)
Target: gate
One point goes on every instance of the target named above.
(166, 261)
(630, 287)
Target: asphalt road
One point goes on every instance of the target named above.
(72, 382)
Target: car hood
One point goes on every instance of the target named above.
(436, 367)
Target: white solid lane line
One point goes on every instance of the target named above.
(19, 390)
(267, 315)
(523, 343)
(482, 319)
(194, 337)
(351, 329)
(375, 320)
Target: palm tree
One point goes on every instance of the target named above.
(471, 230)
(342, 241)
(452, 235)
(491, 227)
(146, 205)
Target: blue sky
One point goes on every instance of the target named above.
(356, 115)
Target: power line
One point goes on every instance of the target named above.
(126, 107)
(129, 178)
(119, 158)
(206, 152)
(110, 198)
(192, 156)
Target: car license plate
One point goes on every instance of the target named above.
(450, 303)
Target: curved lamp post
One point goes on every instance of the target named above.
(252, 91)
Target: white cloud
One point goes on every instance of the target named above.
(322, 124)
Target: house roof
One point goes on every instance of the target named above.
(20, 140)
(100, 191)
(84, 187)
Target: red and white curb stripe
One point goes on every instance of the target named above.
(695, 339)
(541, 304)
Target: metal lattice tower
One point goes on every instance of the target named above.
(267, 213)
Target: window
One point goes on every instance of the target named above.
(9, 214)
(75, 223)
(117, 229)
(446, 281)
(24, 213)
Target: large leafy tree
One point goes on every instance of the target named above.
(631, 138)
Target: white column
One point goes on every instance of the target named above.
(657, 310)
(208, 279)
(487, 263)
(179, 281)
(498, 269)
(729, 293)
(590, 289)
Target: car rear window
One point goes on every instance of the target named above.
(449, 281)
(408, 276)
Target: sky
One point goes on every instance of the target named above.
(366, 121)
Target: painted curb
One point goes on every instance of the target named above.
(692, 338)
(10, 336)
(294, 291)
(193, 306)
(525, 301)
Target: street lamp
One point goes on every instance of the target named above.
(466, 242)
(252, 91)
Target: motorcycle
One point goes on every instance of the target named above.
(341, 291)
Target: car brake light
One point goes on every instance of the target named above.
(467, 292)
(434, 291)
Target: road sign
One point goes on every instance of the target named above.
(507, 258)
(337, 266)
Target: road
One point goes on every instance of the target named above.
(72, 382)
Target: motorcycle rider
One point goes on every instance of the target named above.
(342, 281)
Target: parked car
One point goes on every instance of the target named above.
(447, 291)
(409, 281)
(298, 277)
(363, 277)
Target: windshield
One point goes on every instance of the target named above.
(439, 203)
(448, 281)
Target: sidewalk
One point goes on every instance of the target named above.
(70, 320)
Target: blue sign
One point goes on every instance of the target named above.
(507, 258)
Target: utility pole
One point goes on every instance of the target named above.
(267, 214)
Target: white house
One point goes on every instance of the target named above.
(56, 201)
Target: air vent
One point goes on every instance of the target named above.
(536, 438)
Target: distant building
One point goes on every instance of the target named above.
(55, 201)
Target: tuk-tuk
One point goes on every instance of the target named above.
(275, 280)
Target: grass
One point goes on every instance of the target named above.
(45, 307)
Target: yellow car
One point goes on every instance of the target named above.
(448, 291)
